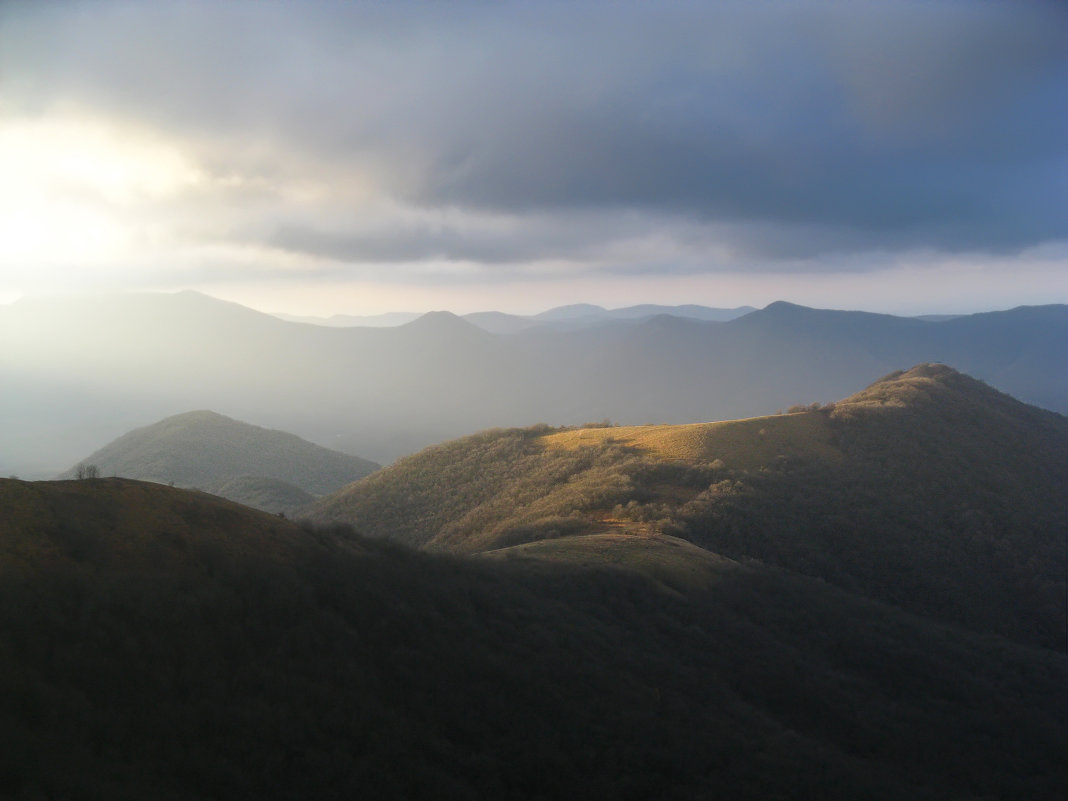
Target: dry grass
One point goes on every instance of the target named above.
(741, 444)
(675, 564)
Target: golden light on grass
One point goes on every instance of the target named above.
(732, 441)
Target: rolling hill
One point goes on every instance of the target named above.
(259, 492)
(81, 371)
(163, 643)
(266, 469)
(928, 490)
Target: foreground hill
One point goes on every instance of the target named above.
(160, 643)
(266, 469)
(80, 371)
(928, 490)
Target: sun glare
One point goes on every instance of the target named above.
(76, 191)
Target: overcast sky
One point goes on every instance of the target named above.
(364, 157)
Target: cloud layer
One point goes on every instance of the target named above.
(610, 136)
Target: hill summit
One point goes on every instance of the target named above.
(925, 384)
(206, 450)
(442, 322)
(928, 489)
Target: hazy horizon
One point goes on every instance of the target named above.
(528, 310)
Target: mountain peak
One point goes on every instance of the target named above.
(783, 306)
(926, 372)
(194, 449)
(779, 313)
(198, 416)
(571, 312)
(441, 322)
(925, 384)
(932, 370)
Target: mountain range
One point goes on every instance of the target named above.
(576, 315)
(80, 371)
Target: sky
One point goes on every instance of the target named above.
(363, 157)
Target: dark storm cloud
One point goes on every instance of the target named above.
(795, 131)
(410, 243)
(825, 127)
(533, 237)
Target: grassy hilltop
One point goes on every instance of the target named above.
(928, 490)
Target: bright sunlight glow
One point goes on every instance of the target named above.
(75, 191)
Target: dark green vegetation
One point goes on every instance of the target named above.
(265, 469)
(266, 494)
(159, 643)
(929, 490)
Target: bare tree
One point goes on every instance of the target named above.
(87, 471)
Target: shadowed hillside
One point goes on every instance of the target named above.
(929, 490)
(267, 494)
(131, 526)
(160, 643)
(270, 470)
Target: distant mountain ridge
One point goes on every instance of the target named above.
(263, 468)
(79, 371)
(578, 315)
